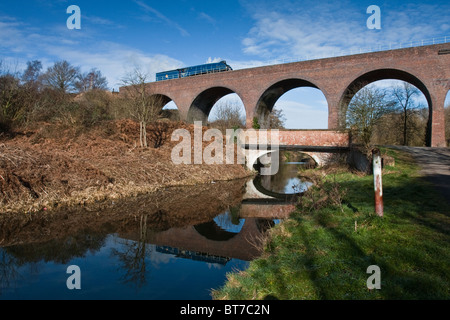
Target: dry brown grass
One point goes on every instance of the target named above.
(51, 167)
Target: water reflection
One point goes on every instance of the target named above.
(287, 181)
(131, 256)
(230, 220)
(176, 244)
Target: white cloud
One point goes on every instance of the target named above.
(302, 30)
(101, 21)
(162, 17)
(245, 64)
(207, 18)
(115, 60)
(213, 60)
(297, 34)
(80, 49)
(10, 35)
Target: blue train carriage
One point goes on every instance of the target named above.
(193, 71)
(167, 75)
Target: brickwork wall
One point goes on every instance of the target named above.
(423, 66)
(314, 138)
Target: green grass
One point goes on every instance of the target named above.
(318, 254)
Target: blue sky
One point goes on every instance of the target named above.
(160, 35)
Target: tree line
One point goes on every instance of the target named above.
(64, 95)
(35, 95)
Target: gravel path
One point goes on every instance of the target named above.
(435, 164)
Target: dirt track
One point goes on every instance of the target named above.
(435, 164)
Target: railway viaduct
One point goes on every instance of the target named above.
(339, 78)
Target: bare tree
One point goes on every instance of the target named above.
(276, 119)
(142, 105)
(404, 95)
(12, 110)
(365, 111)
(133, 257)
(228, 115)
(61, 76)
(92, 80)
(31, 74)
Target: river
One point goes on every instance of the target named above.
(177, 244)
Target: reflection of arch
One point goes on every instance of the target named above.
(253, 156)
(274, 195)
(203, 103)
(273, 93)
(376, 75)
(211, 231)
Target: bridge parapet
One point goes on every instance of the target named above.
(312, 138)
(318, 138)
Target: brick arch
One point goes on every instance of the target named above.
(377, 75)
(271, 95)
(162, 99)
(202, 104)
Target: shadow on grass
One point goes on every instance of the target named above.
(409, 244)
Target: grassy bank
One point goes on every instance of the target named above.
(324, 249)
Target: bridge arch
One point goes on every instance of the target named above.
(377, 75)
(161, 100)
(200, 108)
(271, 95)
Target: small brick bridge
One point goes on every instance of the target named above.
(321, 145)
(339, 78)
